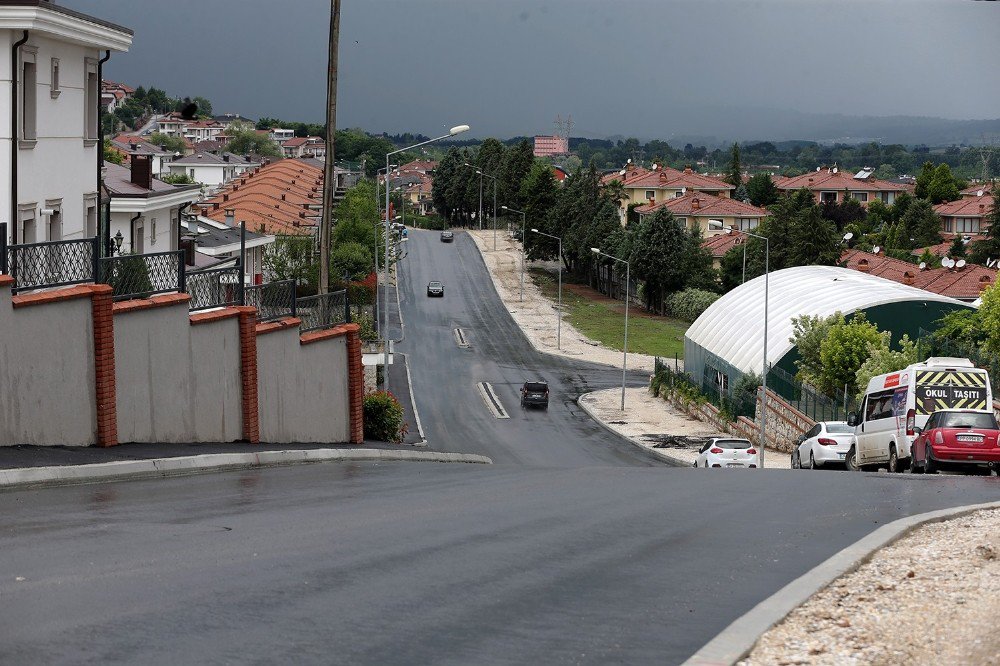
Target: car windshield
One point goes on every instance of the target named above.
(968, 420)
(536, 386)
(434, 284)
(733, 443)
(838, 428)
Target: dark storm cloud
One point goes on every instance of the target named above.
(641, 67)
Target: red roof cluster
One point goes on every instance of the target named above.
(667, 178)
(974, 190)
(702, 203)
(966, 207)
(833, 179)
(282, 198)
(964, 283)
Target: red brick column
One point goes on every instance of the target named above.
(104, 364)
(355, 383)
(248, 373)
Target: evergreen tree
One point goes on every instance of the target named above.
(762, 190)
(957, 249)
(922, 224)
(734, 174)
(814, 240)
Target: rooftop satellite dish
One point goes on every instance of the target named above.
(876, 249)
(629, 161)
(848, 236)
(923, 265)
(947, 262)
(960, 263)
(979, 193)
(990, 263)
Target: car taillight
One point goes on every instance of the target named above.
(752, 452)
(826, 441)
(715, 450)
(911, 421)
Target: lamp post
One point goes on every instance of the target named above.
(479, 217)
(378, 201)
(523, 218)
(458, 129)
(763, 400)
(559, 310)
(597, 251)
(494, 179)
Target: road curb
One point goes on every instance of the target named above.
(738, 639)
(413, 400)
(660, 455)
(216, 462)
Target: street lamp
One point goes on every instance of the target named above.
(378, 189)
(457, 129)
(523, 218)
(494, 179)
(559, 310)
(597, 251)
(763, 400)
(479, 218)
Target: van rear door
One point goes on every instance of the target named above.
(951, 389)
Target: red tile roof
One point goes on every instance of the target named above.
(827, 179)
(419, 165)
(941, 249)
(966, 207)
(668, 178)
(719, 244)
(256, 197)
(704, 204)
(974, 190)
(965, 283)
(630, 171)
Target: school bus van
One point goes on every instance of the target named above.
(896, 403)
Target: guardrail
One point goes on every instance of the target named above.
(48, 264)
(142, 275)
(322, 311)
(273, 300)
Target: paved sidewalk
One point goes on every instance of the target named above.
(656, 425)
(536, 314)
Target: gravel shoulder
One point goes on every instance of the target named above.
(536, 314)
(930, 598)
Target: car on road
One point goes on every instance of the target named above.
(957, 439)
(535, 394)
(728, 452)
(447, 236)
(435, 288)
(826, 443)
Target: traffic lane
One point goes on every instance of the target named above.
(424, 563)
(446, 376)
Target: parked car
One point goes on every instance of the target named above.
(728, 452)
(959, 439)
(435, 288)
(447, 236)
(826, 443)
(535, 394)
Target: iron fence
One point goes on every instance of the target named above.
(322, 311)
(809, 400)
(273, 300)
(142, 275)
(48, 264)
(215, 288)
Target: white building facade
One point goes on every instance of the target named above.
(51, 87)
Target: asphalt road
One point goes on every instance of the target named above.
(574, 548)
(445, 376)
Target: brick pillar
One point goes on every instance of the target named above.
(248, 373)
(355, 383)
(104, 365)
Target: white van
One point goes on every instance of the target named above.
(898, 402)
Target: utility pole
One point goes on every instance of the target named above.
(329, 175)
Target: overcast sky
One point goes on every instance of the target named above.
(646, 68)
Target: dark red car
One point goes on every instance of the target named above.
(956, 439)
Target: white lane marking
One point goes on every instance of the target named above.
(461, 339)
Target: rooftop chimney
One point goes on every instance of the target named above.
(908, 278)
(695, 203)
(133, 146)
(225, 197)
(142, 171)
(225, 157)
(984, 283)
(282, 197)
(863, 266)
(215, 205)
(230, 217)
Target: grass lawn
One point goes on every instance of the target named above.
(603, 319)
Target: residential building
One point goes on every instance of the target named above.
(656, 185)
(964, 283)
(966, 215)
(227, 119)
(978, 190)
(718, 244)
(51, 91)
(129, 145)
(114, 95)
(280, 135)
(217, 245)
(284, 198)
(144, 210)
(831, 184)
(708, 213)
(546, 146)
(210, 169)
(304, 146)
(420, 166)
(202, 130)
(171, 124)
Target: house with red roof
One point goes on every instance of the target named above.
(656, 185)
(965, 216)
(832, 184)
(978, 190)
(718, 244)
(711, 214)
(304, 146)
(965, 282)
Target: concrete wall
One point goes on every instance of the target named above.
(178, 378)
(302, 385)
(47, 370)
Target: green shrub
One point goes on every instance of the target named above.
(383, 417)
(689, 303)
(432, 222)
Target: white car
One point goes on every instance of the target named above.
(728, 452)
(826, 443)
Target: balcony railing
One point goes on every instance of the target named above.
(48, 264)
